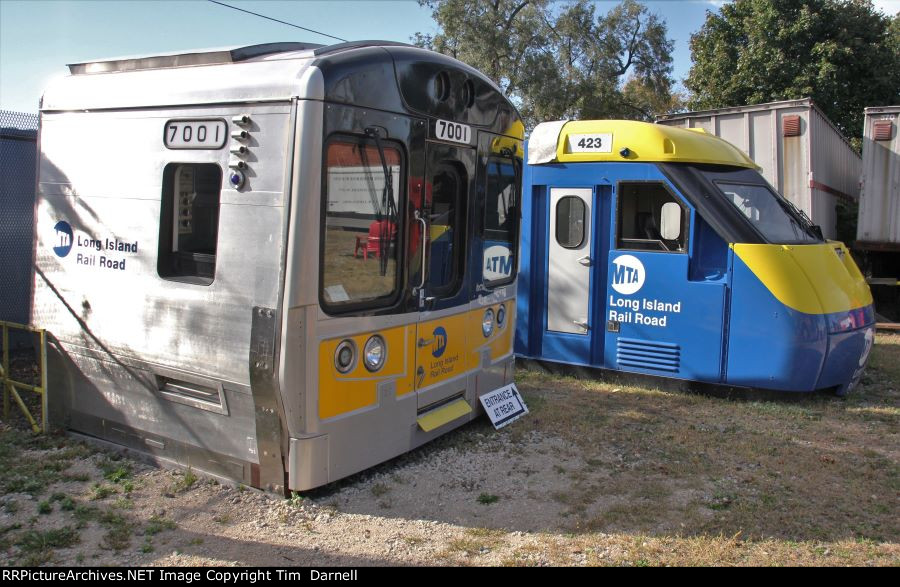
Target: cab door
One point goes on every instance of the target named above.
(664, 312)
(439, 272)
(570, 263)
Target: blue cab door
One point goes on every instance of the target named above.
(665, 300)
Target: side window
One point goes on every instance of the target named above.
(189, 222)
(360, 231)
(445, 221)
(650, 218)
(501, 216)
(570, 217)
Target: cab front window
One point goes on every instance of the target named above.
(776, 219)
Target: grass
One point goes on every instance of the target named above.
(793, 469)
(158, 524)
(36, 546)
(487, 498)
(185, 481)
(640, 477)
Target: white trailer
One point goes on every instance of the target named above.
(878, 229)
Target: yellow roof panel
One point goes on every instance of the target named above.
(630, 140)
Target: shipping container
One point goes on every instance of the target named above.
(879, 198)
(800, 151)
(878, 229)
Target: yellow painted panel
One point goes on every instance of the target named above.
(500, 341)
(443, 415)
(808, 278)
(444, 356)
(341, 393)
(651, 142)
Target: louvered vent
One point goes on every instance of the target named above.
(791, 125)
(882, 130)
(648, 354)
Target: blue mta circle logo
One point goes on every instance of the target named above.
(63, 238)
(440, 342)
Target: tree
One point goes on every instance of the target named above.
(561, 61)
(842, 53)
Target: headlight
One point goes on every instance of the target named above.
(374, 353)
(345, 356)
(487, 323)
(501, 316)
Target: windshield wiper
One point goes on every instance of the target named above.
(387, 204)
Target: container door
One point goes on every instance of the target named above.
(441, 330)
(569, 267)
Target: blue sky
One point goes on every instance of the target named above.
(38, 38)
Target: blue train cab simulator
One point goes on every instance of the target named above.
(663, 251)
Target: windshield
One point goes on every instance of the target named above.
(774, 217)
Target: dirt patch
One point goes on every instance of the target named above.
(597, 474)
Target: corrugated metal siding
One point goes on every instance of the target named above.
(879, 204)
(18, 137)
(787, 162)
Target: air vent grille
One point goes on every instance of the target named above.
(791, 125)
(882, 130)
(648, 354)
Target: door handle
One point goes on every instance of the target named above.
(586, 260)
(424, 343)
(419, 218)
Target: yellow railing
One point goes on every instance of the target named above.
(10, 386)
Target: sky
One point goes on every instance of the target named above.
(38, 38)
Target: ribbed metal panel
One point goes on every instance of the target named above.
(879, 203)
(648, 354)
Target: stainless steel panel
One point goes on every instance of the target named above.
(106, 192)
(568, 276)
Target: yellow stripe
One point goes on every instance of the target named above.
(444, 414)
(341, 393)
(813, 279)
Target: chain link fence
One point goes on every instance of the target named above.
(18, 163)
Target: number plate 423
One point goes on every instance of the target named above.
(591, 143)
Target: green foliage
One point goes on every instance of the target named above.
(843, 54)
(488, 498)
(558, 60)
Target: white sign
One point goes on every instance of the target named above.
(452, 131)
(591, 143)
(504, 406)
(359, 189)
(627, 274)
(195, 134)
(497, 263)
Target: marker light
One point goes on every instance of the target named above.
(374, 353)
(487, 323)
(236, 178)
(501, 316)
(345, 356)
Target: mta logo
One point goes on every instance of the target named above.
(498, 262)
(63, 238)
(440, 342)
(502, 265)
(627, 274)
